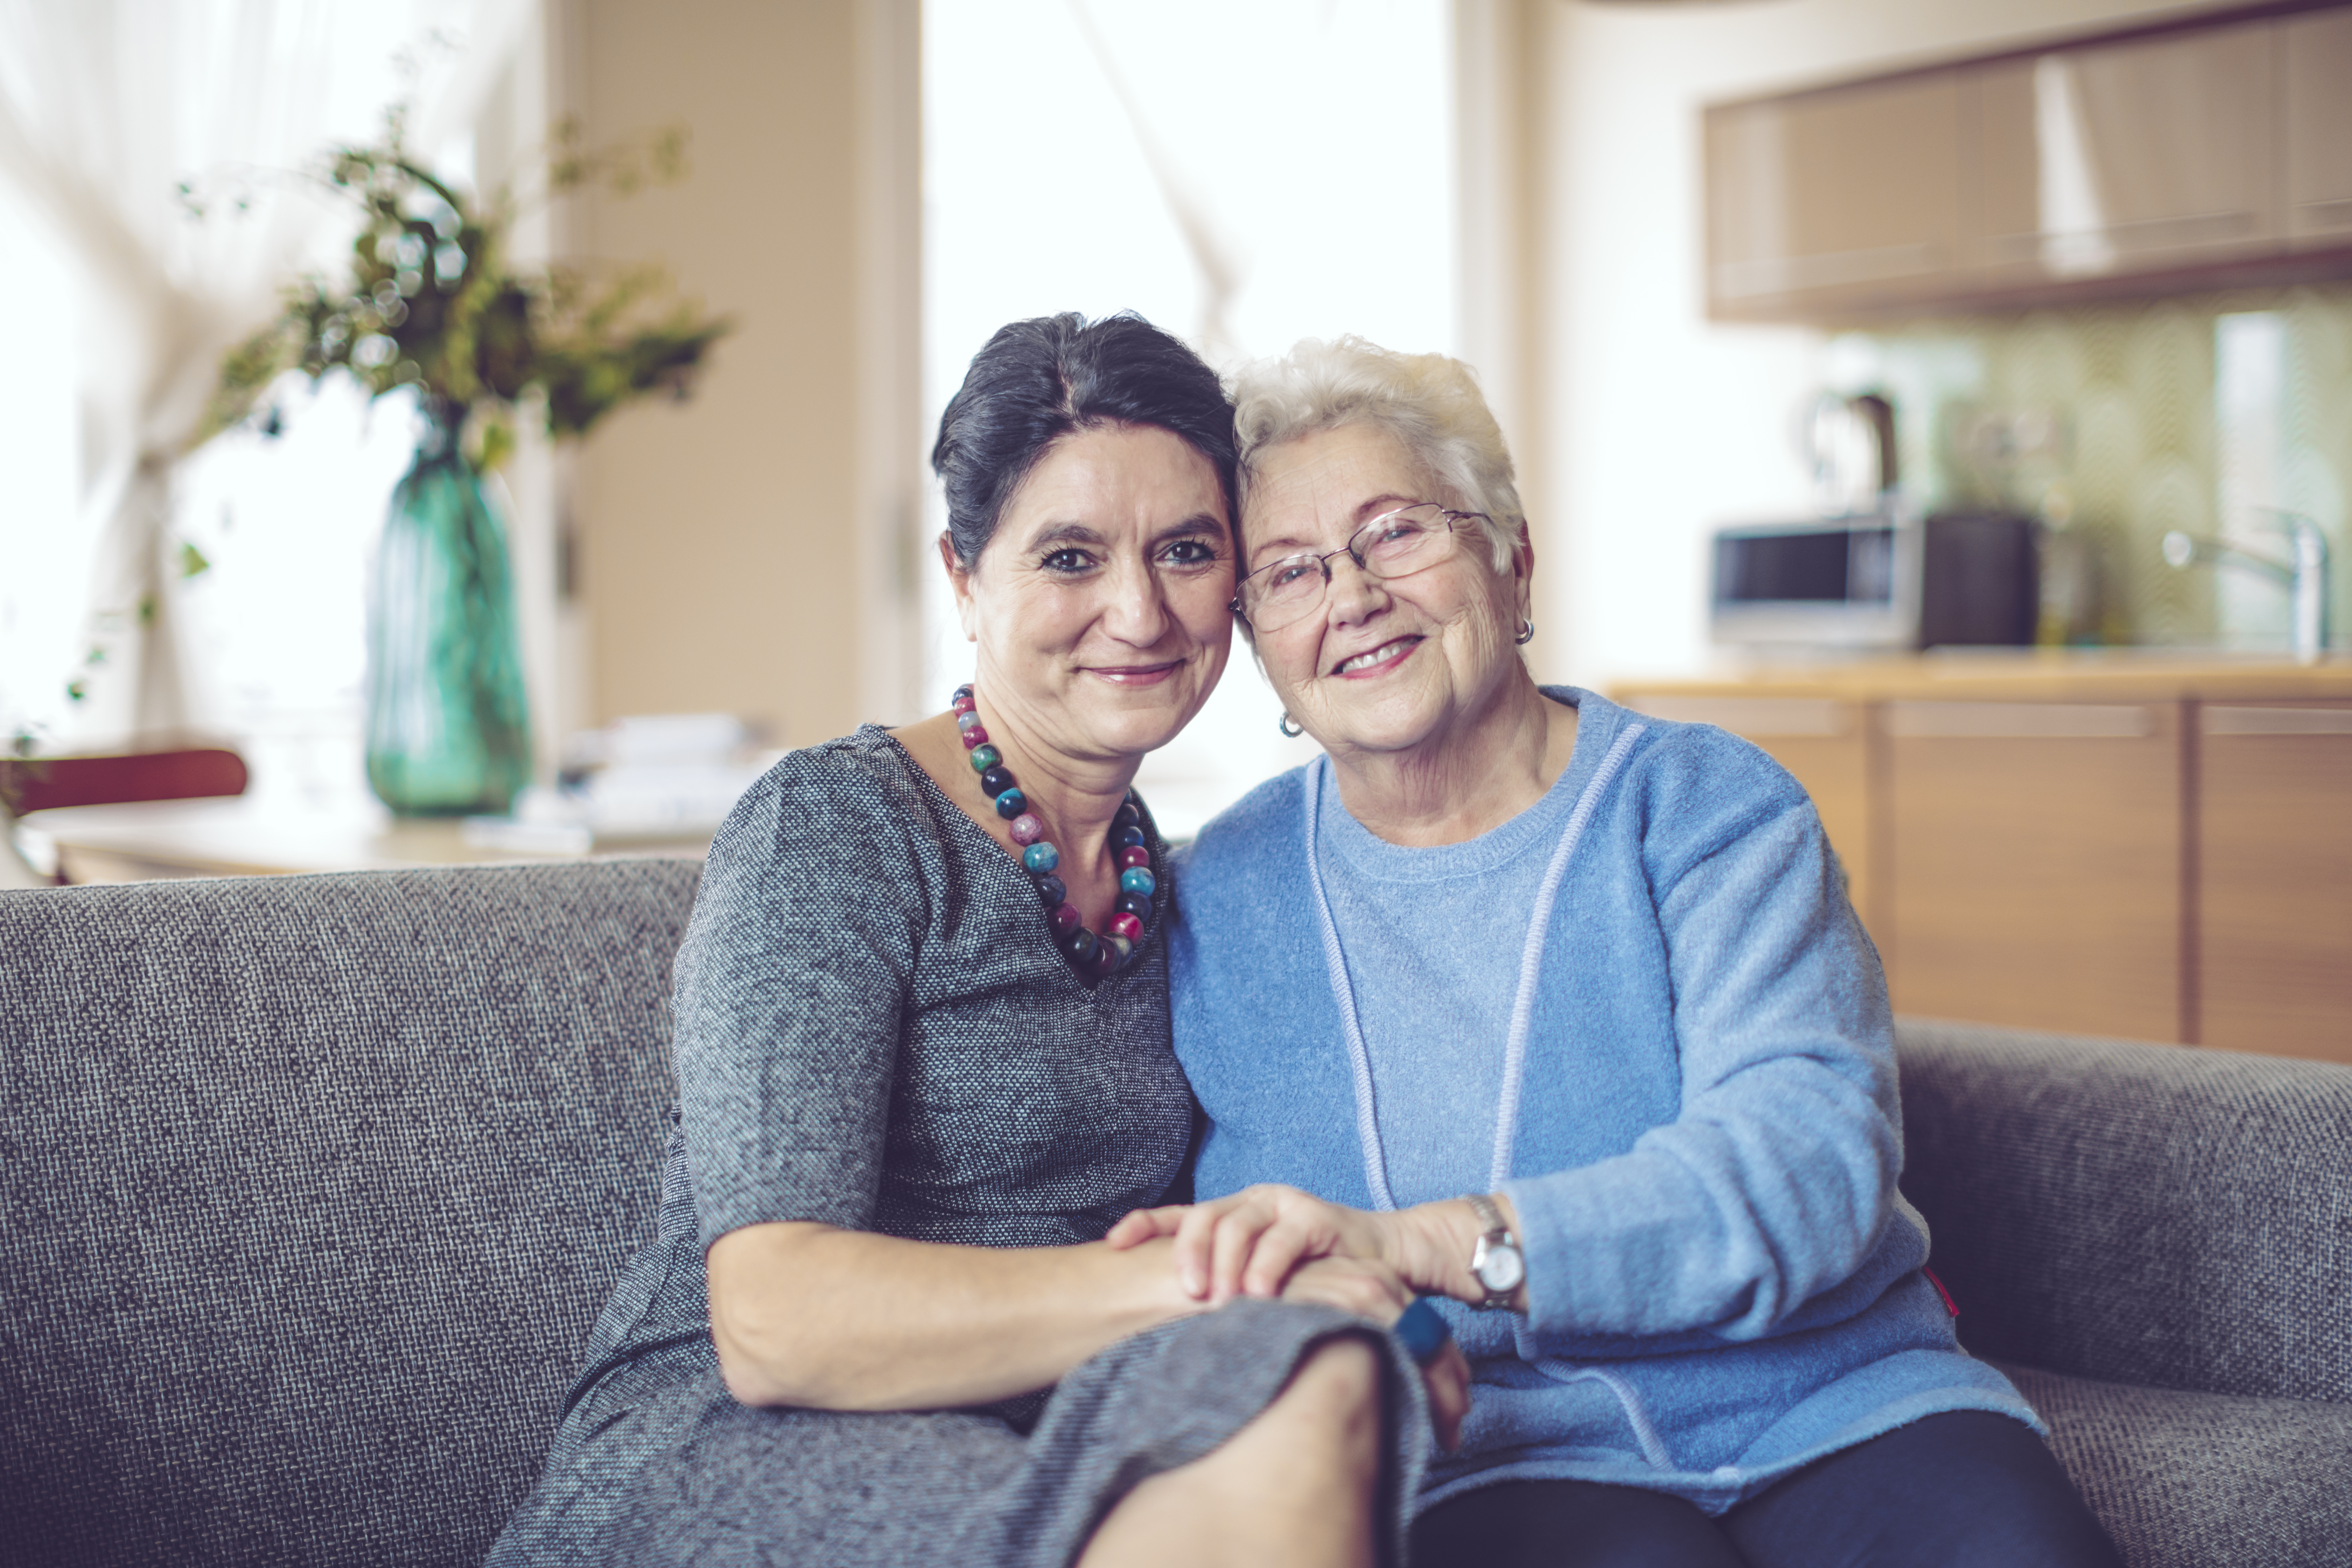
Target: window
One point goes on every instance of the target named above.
(1243, 172)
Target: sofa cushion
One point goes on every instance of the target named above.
(313, 1186)
(2203, 1480)
(2141, 1214)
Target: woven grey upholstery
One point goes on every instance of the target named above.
(2203, 1480)
(2139, 1213)
(2173, 1228)
(311, 1188)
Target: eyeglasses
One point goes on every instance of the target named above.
(1395, 544)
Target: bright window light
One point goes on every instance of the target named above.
(45, 554)
(1243, 172)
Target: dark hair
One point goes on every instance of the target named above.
(1039, 381)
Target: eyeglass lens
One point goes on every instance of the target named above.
(1395, 544)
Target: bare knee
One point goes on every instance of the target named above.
(1293, 1488)
(1336, 1394)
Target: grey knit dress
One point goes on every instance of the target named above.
(874, 1030)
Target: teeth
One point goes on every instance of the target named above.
(1366, 660)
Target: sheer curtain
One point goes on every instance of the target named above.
(117, 119)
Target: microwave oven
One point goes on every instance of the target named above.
(1880, 581)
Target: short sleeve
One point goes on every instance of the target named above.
(792, 983)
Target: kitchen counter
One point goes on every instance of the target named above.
(2121, 675)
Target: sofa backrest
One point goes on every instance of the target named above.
(312, 1187)
(2135, 1212)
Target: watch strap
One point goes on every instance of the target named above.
(1490, 1215)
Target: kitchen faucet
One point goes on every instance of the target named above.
(2304, 574)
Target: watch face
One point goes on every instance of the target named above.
(1502, 1269)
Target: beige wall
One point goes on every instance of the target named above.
(737, 553)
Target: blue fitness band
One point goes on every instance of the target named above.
(1422, 1329)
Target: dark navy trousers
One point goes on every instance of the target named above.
(1964, 1489)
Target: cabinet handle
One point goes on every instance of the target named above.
(1818, 717)
(2234, 720)
(2019, 721)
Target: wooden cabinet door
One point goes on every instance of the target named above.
(2123, 157)
(2275, 878)
(1822, 742)
(2033, 866)
(2315, 63)
(1844, 198)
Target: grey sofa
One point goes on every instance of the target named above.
(313, 1184)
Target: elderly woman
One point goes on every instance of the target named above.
(1562, 1013)
(923, 1062)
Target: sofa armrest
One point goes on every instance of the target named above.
(2144, 1213)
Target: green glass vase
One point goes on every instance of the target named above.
(448, 726)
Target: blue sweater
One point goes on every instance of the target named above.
(1697, 1105)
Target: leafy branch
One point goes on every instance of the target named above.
(430, 302)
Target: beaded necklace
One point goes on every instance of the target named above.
(1091, 955)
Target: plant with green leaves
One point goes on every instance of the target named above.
(432, 302)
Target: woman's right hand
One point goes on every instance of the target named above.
(1247, 1243)
(1372, 1291)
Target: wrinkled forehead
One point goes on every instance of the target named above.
(1314, 490)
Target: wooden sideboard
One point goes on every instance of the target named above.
(2117, 844)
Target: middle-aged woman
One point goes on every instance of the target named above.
(1562, 1012)
(923, 1062)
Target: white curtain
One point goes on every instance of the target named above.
(109, 108)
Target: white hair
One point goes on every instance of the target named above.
(1429, 402)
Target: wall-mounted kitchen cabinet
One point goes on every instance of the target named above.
(2190, 154)
(2316, 50)
(2108, 848)
(1849, 196)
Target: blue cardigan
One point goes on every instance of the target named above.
(1724, 1284)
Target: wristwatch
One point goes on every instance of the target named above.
(1496, 1261)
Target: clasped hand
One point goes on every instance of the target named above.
(1277, 1242)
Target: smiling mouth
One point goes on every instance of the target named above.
(1134, 674)
(1396, 647)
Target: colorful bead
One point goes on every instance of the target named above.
(1094, 957)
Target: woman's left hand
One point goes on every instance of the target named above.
(1247, 1243)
